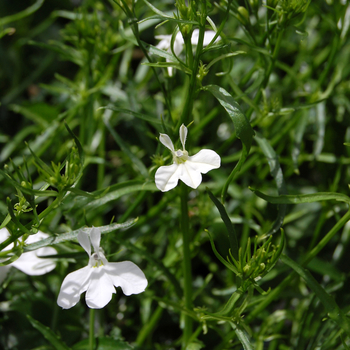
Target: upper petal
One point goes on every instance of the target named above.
(205, 160)
(167, 177)
(166, 141)
(84, 241)
(95, 237)
(73, 285)
(100, 289)
(183, 135)
(128, 276)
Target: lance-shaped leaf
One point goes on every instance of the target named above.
(242, 126)
(54, 339)
(277, 174)
(303, 198)
(232, 235)
(333, 310)
(69, 236)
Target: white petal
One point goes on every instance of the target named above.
(4, 234)
(167, 177)
(208, 37)
(84, 241)
(183, 135)
(128, 276)
(100, 289)
(36, 237)
(164, 43)
(166, 141)
(190, 175)
(95, 237)
(178, 44)
(205, 160)
(73, 285)
(32, 265)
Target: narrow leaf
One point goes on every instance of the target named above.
(232, 235)
(54, 339)
(333, 310)
(242, 126)
(277, 174)
(303, 198)
(69, 236)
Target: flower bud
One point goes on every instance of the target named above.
(243, 15)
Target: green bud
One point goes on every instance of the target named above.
(254, 3)
(243, 15)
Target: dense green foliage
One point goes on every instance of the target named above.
(255, 257)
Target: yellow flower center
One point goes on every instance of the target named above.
(180, 157)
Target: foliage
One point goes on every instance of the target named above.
(255, 257)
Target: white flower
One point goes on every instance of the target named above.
(99, 277)
(165, 43)
(30, 262)
(186, 168)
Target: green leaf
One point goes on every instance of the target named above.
(54, 339)
(242, 126)
(69, 236)
(333, 310)
(243, 336)
(148, 118)
(232, 235)
(104, 343)
(217, 254)
(125, 148)
(277, 174)
(19, 15)
(303, 198)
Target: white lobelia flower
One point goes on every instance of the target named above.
(99, 277)
(186, 168)
(30, 262)
(165, 43)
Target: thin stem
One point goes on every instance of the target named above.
(186, 265)
(92, 329)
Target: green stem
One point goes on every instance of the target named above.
(193, 64)
(268, 73)
(186, 265)
(92, 329)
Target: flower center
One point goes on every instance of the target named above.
(180, 157)
(95, 260)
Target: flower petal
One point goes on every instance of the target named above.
(84, 241)
(73, 285)
(4, 234)
(190, 175)
(32, 265)
(204, 161)
(100, 289)
(95, 237)
(166, 141)
(183, 135)
(128, 276)
(208, 37)
(167, 177)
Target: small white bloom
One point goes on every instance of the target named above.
(185, 168)
(30, 262)
(99, 277)
(165, 43)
